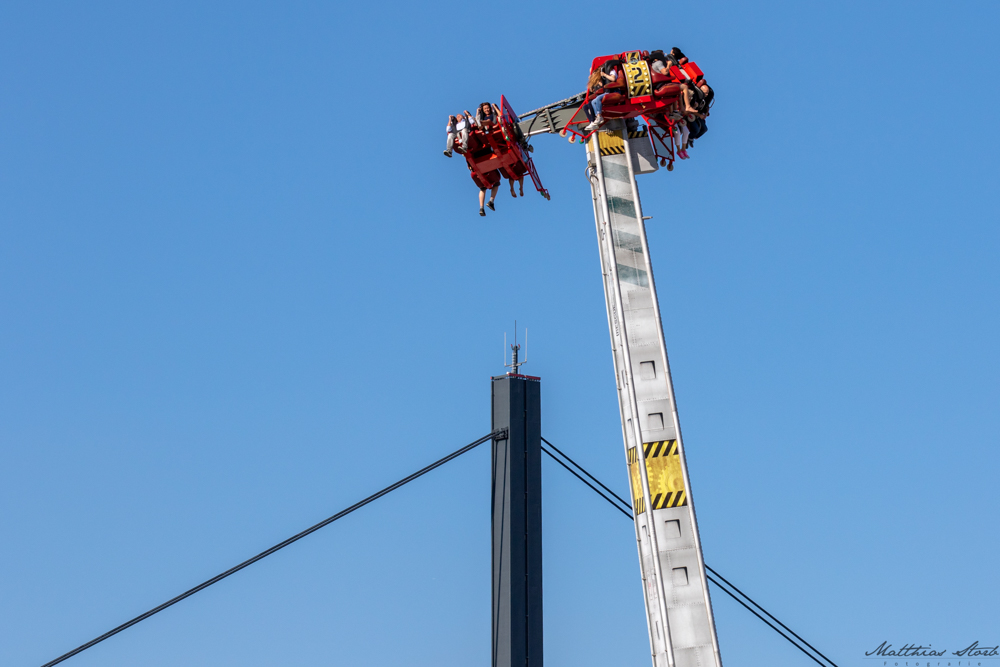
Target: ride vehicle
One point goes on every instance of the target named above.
(637, 91)
(501, 151)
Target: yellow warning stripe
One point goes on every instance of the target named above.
(670, 499)
(663, 470)
(611, 143)
(661, 448)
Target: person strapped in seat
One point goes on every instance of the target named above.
(600, 79)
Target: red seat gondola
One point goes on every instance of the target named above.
(500, 152)
(640, 92)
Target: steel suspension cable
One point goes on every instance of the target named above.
(626, 509)
(627, 513)
(281, 545)
(597, 481)
(772, 626)
(730, 584)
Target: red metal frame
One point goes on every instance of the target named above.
(663, 132)
(496, 153)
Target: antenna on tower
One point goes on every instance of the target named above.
(514, 349)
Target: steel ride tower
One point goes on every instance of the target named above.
(675, 588)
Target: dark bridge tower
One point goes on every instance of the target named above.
(517, 522)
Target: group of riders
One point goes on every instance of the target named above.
(684, 118)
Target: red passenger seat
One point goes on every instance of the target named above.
(689, 72)
(693, 71)
(658, 78)
(613, 98)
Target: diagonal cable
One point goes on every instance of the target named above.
(712, 571)
(730, 584)
(752, 611)
(281, 545)
(574, 473)
(597, 481)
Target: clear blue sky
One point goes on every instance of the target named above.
(240, 289)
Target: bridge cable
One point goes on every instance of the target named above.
(563, 454)
(730, 584)
(626, 509)
(499, 434)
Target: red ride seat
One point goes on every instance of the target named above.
(613, 99)
(664, 85)
(689, 72)
(658, 78)
(616, 85)
(666, 90)
(693, 71)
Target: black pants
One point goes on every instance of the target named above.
(697, 127)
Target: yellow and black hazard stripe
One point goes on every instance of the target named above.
(664, 473)
(671, 499)
(611, 143)
(659, 448)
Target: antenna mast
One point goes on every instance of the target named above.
(515, 348)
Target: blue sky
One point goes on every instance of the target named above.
(240, 289)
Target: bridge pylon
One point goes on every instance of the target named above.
(517, 521)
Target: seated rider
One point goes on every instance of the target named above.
(487, 116)
(520, 182)
(698, 100)
(660, 64)
(494, 184)
(450, 131)
(458, 126)
(693, 97)
(598, 79)
(696, 126)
